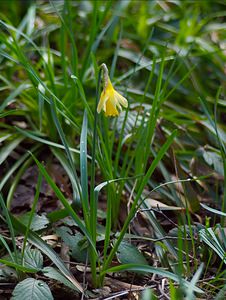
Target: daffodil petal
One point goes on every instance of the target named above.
(102, 103)
(111, 109)
(121, 99)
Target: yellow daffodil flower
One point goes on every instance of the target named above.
(110, 99)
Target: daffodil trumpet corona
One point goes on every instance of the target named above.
(111, 101)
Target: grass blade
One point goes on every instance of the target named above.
(64, 201)
(152, 270)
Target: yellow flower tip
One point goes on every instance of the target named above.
(111, 101)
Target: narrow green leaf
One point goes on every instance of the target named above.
(6, 214)
(43, 140)
(83, 166)
(152, 270)
(53, 273)
(18, 266)
(64, 201)
(213, 210)
(9, 147)
(191, 288)
(13, 95)
(133, 209)
(16, 165)
(64, 141)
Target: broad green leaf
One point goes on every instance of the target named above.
(7, 274)
(32, 289)
(129, 254)
(31, 263)
(38, 221)
(75, 243)
(215, 160)
(33, 258)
